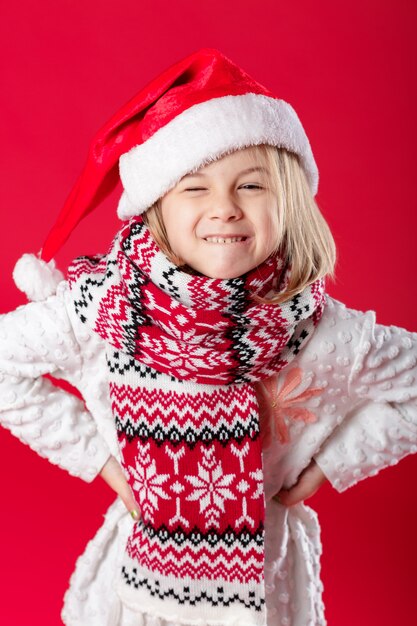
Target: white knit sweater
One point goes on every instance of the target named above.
(367, 420)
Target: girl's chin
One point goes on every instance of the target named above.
(222, 273)
(224, 264)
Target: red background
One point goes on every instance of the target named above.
(349, 71)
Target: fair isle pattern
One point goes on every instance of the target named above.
(192, 454)
(196, 328)
(183, 354)
(190, 419)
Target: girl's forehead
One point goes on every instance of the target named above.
(237, 160)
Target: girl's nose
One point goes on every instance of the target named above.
(225, 208)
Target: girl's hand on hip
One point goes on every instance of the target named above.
(113, 474)
(309, 481)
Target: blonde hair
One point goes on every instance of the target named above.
(306, 241)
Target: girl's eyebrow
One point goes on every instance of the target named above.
(249, 170)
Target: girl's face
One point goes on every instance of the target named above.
(222, 220)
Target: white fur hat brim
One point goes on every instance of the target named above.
(203, 133)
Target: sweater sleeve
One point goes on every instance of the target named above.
(37, 339)
(381, 428)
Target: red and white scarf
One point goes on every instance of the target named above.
(183, 353)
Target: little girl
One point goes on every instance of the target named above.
(216, 371)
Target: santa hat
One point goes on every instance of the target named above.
(195, 111)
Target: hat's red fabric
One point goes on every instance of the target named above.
(200, 107)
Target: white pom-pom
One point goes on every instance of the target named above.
(36, 278)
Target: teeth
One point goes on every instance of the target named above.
(221, 240)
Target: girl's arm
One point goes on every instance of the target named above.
(382, 428)
(37, 339)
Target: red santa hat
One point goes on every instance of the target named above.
(202, 107)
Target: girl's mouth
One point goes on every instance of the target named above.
(224, 239)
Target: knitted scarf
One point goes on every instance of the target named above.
(183, 354)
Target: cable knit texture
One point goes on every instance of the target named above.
(366, 421)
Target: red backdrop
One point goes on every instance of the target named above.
(348, 70)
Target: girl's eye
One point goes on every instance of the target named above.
(252, 186)
(247, 186)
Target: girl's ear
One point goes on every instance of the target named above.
(36, 278)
